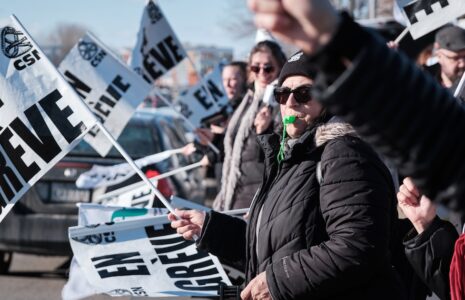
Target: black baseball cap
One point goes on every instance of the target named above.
(451, 38)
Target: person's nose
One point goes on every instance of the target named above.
(291, 102)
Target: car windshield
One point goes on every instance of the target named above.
(138, 140)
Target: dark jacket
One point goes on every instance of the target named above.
(243, 161)
(328, 242)
(403, 112)
(430, 254)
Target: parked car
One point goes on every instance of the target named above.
(39, 222)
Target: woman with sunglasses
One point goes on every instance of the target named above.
(320, 224)
(243, 159)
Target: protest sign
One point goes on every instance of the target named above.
(134, 195)
(144, 257)
(93, 213)
(110, 89)
(99, 176)
(78, 286)
(157, 48)
(197, 104)
(137, 194)
(42, 118)
(424, 16)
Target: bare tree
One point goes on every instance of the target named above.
(239, 23)
(63, 38)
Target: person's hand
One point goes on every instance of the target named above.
(257, 289)
(217, 129)
(262, 120)
(190, 223)
(188, 149)
(204, 162)
(393, 45)
(417, 208)
(309, 24)
(205, 135)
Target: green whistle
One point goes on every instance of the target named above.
(288, 120)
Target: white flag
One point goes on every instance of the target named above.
(93, 213)
(42, 118)
(111, 90)
(99, 176)
(134, 195)
(145, 257)
(197, 105)
(424, 16)
(77, 286)
(157, 49)
(139, 194)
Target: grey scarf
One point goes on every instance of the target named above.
(239, 128)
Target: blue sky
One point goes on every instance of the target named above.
(116, 22)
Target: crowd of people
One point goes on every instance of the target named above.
(323, 220)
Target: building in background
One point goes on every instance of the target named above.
(205, 59)
(367, 9)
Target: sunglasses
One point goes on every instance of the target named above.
(302, 94)
(266, 69)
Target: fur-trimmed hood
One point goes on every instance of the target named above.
(332, 129)
(318, 136)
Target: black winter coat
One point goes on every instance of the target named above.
(430, 254)
(328, 242)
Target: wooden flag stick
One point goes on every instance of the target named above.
(401, 36)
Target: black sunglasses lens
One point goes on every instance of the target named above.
(268, 69)
(302, 94)
(282, 94)
(255, 69)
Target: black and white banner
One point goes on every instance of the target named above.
(144, 257)
(92, 213)
(134, 195)
(99, 176)
(424, 16)
(41, 117)
(157, 49)
(111, 90)
(78, 287)
(197, 104)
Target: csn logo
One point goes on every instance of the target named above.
(89, 51)
(16, 45)
(154, 12)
